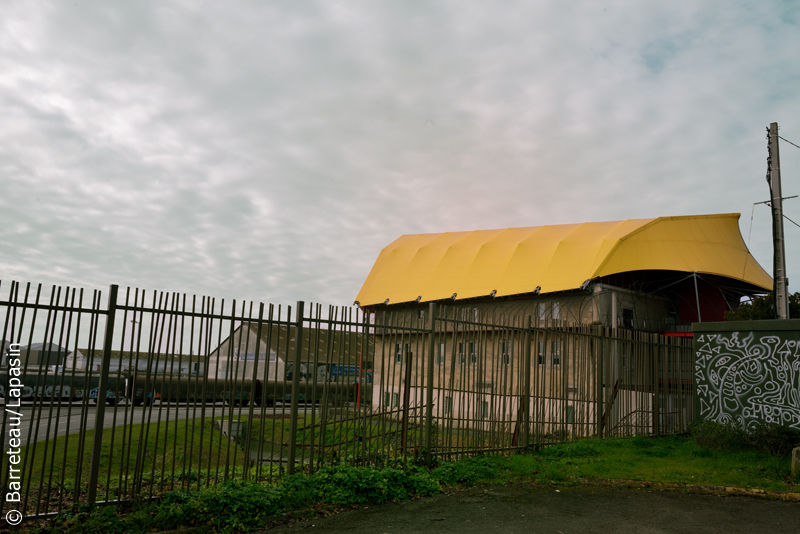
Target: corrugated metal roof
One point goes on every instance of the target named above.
(556, 258)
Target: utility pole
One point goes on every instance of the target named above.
(780, 289)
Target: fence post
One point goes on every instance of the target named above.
(406, 400)
(600, 347)
(253, 394)
(656, 377)
(429, 392)
(298, 346)
(97, 443)
(526, 393)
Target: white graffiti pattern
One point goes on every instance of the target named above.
(748, 380)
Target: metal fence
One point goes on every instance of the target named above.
(135, 394)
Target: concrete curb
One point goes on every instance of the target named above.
(692, 488)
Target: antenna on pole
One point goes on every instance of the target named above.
(780, 281)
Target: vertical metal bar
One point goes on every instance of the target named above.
(429, 392)
(526, 389)
(40, 390)
(87, 382)
(230, 387)
(655, 389)
(285, 331)
(97, 444)
(265, 392)
(315, 398)
(407, 359)
(599, 356)
(298, 335)
(118, 396)
(11, 311)
(182, 387)
(72, 387)
(328, 391)
(253, 385)
(54, 401)
(366, 421)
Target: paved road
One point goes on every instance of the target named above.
(533, 509)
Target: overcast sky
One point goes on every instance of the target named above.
(270, 150)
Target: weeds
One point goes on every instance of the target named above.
(239, 506)
(771, 439)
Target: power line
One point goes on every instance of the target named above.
(791, 221)
(744, 269)
(789, 142)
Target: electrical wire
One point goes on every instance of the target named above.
(788, 141)
(791, 221)
(749, 234)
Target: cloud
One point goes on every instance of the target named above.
(269, 151)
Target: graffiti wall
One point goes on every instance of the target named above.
(748, 374)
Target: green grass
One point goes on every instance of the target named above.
(240, 506)
(673, 459)
(346, 438)
(166, 459)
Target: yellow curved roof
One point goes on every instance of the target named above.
(556, 258)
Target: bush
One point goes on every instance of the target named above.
(715, 436)
(772, 439)
(241, 506)
(578, 449)
(88, 519)
(465, 471)
(345, 485)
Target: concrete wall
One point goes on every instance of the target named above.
(748, 371)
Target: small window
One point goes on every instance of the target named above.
(542, 310)
(505, 357)
(556, 311)
(485, 410)
(473, 355)
(396, 400)
(440, 359)
(555, 350)
(540, 357)
(462, 358)
(627, 318)
(448, 405)
(387, 399)
(570, 414)
(475, 314)
(672, 318)
(398, 355)
(422, 314)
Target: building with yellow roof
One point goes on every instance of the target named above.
(567, 316)
(658, 274)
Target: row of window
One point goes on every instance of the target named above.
(555, 312)
(625, 321)
(471, 357)
(448, 406)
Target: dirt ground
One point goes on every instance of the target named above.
(534, 509)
